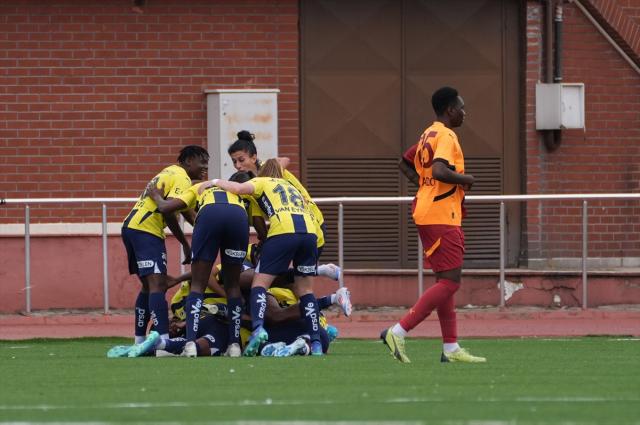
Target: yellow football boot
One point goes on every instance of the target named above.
(462, 356)
(395, 344)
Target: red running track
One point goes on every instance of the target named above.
(488, 323)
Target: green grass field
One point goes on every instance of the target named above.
(526, 381)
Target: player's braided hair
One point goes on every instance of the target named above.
(444, 98)
(192, 151)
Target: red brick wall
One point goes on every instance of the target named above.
(95, 99)
(603, 158)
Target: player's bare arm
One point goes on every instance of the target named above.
(444, 174)
(167, 207)
(176, 230)
(409, 171)
(238, 188)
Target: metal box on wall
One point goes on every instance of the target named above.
(232, 110)
(559, 106)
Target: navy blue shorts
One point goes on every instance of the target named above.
(288, 332)
(146, 253)
(215, 332)
(223, 227)
(280, 250)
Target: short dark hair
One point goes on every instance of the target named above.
(444, 98)
(241, 176)
(192, 151)
(244, 143)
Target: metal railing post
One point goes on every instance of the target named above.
(420, 267)
(341, 242)
(502, 252)
(585, 221)
(105, 260)
(27, 259)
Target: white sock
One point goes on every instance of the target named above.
(333, 298)
(398, 330)
(450, 347)
(162, 344)
(139, 339)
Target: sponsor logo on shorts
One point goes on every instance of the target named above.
(145, 264)
(306, 269)
(235, 254)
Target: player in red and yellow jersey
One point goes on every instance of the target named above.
(143, 237)
(437, 212)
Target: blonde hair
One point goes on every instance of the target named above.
(270, 168)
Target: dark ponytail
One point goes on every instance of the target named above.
(245, 143)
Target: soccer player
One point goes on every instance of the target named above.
(221, 225)
(439, 163)
(286, 328)
(244, 155)
(291, 237)
(143, 237)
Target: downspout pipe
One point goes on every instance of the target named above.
(557, 32)
(553, 62)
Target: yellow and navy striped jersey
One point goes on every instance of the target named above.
(285, 298)
(284, 206)
(144, 215)
(179, 300)
(252, 207)
(316, 214)
(212, 195)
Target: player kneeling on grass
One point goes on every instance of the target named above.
(286, 328)
(212, 337)
(284, 321)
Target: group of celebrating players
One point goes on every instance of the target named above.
(231, 309)
(254, 283)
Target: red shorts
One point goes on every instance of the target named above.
(443, 246)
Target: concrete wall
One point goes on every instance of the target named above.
(67, 273)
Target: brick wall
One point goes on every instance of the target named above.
(603, 158)
(95, 99)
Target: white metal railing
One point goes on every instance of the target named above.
(341, 201)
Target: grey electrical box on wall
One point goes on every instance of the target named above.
(559, 106)
(232, 110)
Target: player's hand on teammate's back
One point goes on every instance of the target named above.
(204, 186)
(155, 192)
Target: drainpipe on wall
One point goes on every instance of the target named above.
(553, 62)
